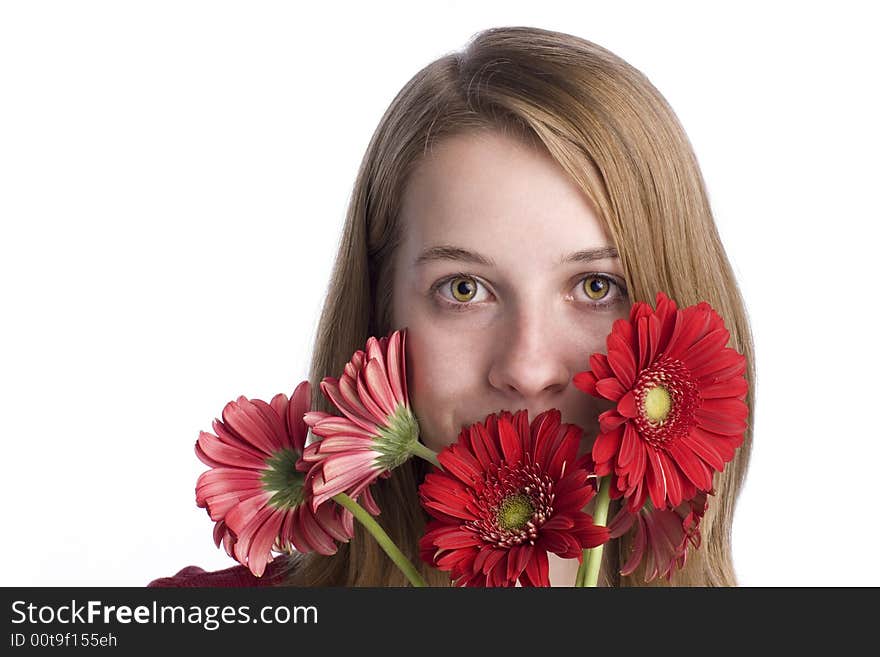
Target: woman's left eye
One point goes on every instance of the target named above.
(596, 287)
(601, 289)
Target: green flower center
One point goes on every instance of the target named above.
(515, 511)
(657, 404)
(282, 479)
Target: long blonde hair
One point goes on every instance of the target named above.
(618, 139)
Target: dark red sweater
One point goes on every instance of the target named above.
(236, 576)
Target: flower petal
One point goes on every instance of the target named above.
(244, 419)
(586, 381)
(376, 382)
(232, 455)
(606, 445)
(692, 466)
(706, 449)
(737, 387)
(610, 389)
(600, 367)
(396, 364)
(725, 416)
(260, 552)
(630, 444)
(511, 443)
(627, 406)
(344, 395)
(637, 552)
(725, 365)
(690, 325)
(622, 359)
(299, 405)
(656, 479)
(610, 420)
(458, 464)
(706, 349)
(365, 394)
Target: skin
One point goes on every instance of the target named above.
(531, 323)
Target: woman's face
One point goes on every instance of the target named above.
(506, 282)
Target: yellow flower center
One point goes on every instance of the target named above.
(514, 512)
(667, 398)
(657, 404)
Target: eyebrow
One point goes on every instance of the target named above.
(449, 252)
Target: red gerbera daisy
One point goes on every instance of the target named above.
(509, 494)
(378, 432)
(254, 491)
(680, 392)
(662, 535)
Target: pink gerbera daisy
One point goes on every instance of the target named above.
(254, 491)
(378, 430)
(680, 412)
(509, 494)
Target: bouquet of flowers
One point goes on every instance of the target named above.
(511, 489)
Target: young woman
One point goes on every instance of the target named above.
(516, 198)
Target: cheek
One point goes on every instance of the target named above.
(591, 333)
(592, 341)
(444, 370)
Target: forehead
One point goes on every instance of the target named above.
(494, 193)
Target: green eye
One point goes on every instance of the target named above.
(596, 287)
(463, 289)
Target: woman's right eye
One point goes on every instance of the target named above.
(459, 291)
(463, 289)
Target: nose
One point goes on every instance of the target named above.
(529, 362)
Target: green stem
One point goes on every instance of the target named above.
(382, 538)
(426, 453)
(588, 573)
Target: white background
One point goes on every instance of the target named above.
(173, 179)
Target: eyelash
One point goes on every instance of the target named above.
(460, 306)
